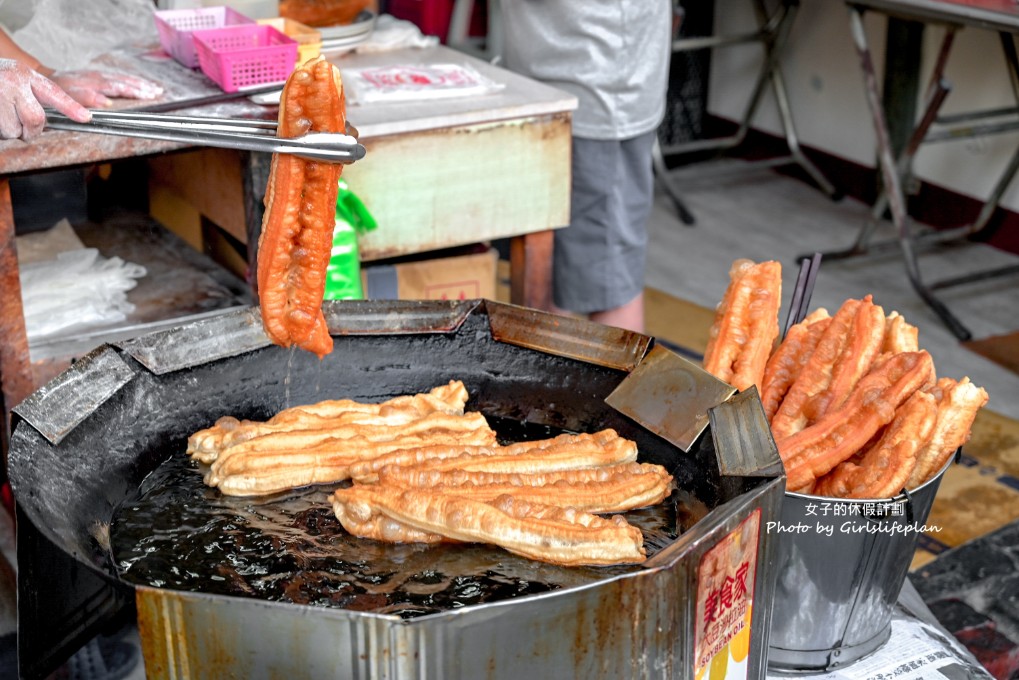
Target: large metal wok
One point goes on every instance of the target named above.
(85, 442)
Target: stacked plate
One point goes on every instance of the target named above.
(348, 35)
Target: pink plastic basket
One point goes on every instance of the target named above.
(238, 56)
(176, 25)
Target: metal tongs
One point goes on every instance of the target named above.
(227, 133)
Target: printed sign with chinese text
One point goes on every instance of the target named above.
(725, 594)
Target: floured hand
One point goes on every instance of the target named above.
(24, 93)
(94, 88)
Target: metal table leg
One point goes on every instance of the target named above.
(892, 181)
(662, 175)
(937, 90)
(773, 35)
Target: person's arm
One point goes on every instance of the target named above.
(10, 50)
(26, 86)
(24, 92)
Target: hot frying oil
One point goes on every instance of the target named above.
(177, 533)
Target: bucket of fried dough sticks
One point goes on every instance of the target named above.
(866, 430)
(841, 565)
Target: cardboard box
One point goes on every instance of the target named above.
(462, 277)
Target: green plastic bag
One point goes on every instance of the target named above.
(343, 275)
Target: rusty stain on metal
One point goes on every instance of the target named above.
(743, 438)
(169, 635)
(362, 317)
(565, 336)
(669, 396)
(15, 367)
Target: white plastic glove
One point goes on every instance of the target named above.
(94, 88)
(23, 94)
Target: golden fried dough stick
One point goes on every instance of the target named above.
(819, 314)
(862, 347)
(257, 472)
(603, 448)
(614, 488)
(300, 203)
(433, 428)
(206, 444)
(450, 398)
(899, 335)
(746, 324)
(230, 434)
(541, 532)
(852, 339)
(791, 417)
(727, 334)
(366, 472)
(361, 448)
(788, 360)
(883, 468)
(762, 325)
(957, 409)
(812, 452)
(283, 477)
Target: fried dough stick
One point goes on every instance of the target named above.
(601, 449)
(541, 532)
(746, 324)
(366, 472)
(884, 468)
(727, 333)
(862, 347)
(614, 488)
(300, 203)
(813, 452)
(900, 336)
(789, 358)
(762, 329)
(206, 444)
(254, 471)
(958, 404)
(469, 428)
(842, 356)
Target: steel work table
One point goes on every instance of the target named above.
(439, 173)
(1000, 16)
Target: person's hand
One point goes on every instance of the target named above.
(23, 94)
(94, 88)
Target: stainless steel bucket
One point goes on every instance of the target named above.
(841, 565)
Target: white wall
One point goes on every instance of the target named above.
(825, 85)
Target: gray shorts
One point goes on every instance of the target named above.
(599, 258)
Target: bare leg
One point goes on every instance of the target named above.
(629, 316)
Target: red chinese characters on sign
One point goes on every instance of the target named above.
(733, 589)
(725, 590)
